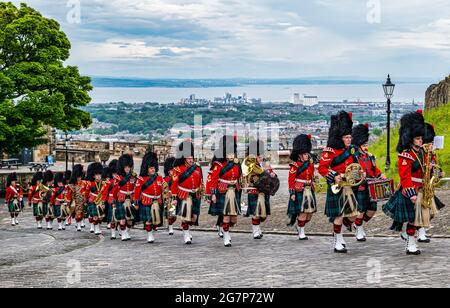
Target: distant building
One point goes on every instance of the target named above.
(310, 100)
(296, 99)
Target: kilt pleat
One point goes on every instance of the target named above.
(400, 208)
(253, 203)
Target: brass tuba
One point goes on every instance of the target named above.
(353, 177)
(251, 167)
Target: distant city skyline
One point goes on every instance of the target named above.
(255, 38)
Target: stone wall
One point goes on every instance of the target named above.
(438, 94)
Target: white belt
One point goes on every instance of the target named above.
(95, 195)
(228, 182)
(303, 181)
(191, 191)
(417, 180)
(150, 196)
(125, 192)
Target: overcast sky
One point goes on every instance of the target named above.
(256, 38)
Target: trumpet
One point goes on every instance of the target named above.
(352, 177)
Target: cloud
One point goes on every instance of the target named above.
(253, 38)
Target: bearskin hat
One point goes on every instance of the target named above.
(113, 166)
(341, 125)
(150, 160)
(302, 144)
(93, 169)
(185, 149)
(412, 125)
(59, 178)
(360, 134)
(168, 165)
(77, 172)
(126, 160)
(11, 177)
(256, 148)
(38, 176)
(428, 136)
(48, 176)
(227, 145)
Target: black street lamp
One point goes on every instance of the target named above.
(388, 88)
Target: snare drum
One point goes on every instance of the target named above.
(381, 190)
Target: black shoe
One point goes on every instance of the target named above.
(340, 251)
(303, 239)
(424, 241)
(409, 253)
(228, 245)
(362, 240)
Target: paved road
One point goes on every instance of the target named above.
(32, 258)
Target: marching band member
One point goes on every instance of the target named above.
(208, 196)
(302, 201)
(340, 208)
(125, 207)
(226, 181)
(187, 188)
(77, 195)
(428, 141)
(258, 202)
(106, 178)
(13, 198)
(59, 200)
(35, 198)
(96, 195)
(406, 204)
(47, 205)
(366, 208)
(170, 211)
(67, 176)
(111, 200)
(148, 194)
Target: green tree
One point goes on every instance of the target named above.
(36, 89)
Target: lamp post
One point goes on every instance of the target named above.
(388, 89)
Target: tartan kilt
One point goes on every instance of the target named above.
(11, 208)
(57, 211)
(364, 203)
(145, 214)
(92, 210)
(333, 204)
(36, 209)
(196, 202)
(120, 211)
(109, 212)
(294, 207)
(216, 209)
(400, 208)
(253, 203)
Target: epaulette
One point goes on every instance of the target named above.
(405, 154)
(140, 178)
(177, 169)
(330, 150)
(218, 163)
(294, 164)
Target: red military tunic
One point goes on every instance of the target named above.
(126, 190)
(13, 192)
(298, 180)
(191, 185)
(219, 182)
(411, 171)
(152, 192)
(33, 195)
(59, 196)
(94, 189)
(368, 164)
(331, 162)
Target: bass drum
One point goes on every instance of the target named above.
(267, 184)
